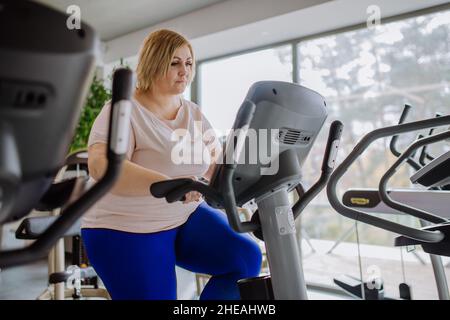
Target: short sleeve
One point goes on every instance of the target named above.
(99, 130)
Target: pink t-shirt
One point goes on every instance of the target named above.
(155, 144)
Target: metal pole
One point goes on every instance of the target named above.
(283, 252)
(439, 272)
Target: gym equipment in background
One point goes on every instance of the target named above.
(45, 71)
(434, 234)
(79, 280)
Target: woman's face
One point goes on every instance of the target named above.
(179, 73)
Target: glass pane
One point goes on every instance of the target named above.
(225, 82)
(367, 76)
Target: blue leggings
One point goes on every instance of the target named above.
(142, 266)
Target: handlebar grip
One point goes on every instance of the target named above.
(119, 122)
(173, 190)
(122, 86)
(393, 143)
(334, 138)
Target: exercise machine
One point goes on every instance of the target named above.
(45, 71)
(285, 119)
(434, 234)
(368, 200)
(79, 280)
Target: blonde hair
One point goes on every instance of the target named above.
(156, 56)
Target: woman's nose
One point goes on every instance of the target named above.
(183, 69)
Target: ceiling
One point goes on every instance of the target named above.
(113, 18)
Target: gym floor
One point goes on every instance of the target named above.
(29, 281)
(23, 282)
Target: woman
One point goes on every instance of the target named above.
(134, 240)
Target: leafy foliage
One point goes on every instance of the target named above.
(97, 97)
(99, 93)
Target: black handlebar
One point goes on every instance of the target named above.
(391, 171)
(363, 144)
(424, 155)
(393, 144)
(329, 160)
(174, 190)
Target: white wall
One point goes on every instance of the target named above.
(210, 20)
(237, 25)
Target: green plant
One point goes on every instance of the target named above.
(97, 97)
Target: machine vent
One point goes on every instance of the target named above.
(294, 136)
(23, 95)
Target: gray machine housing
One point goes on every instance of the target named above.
(293, 116)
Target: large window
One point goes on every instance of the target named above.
(224, 83)
(367, 76)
